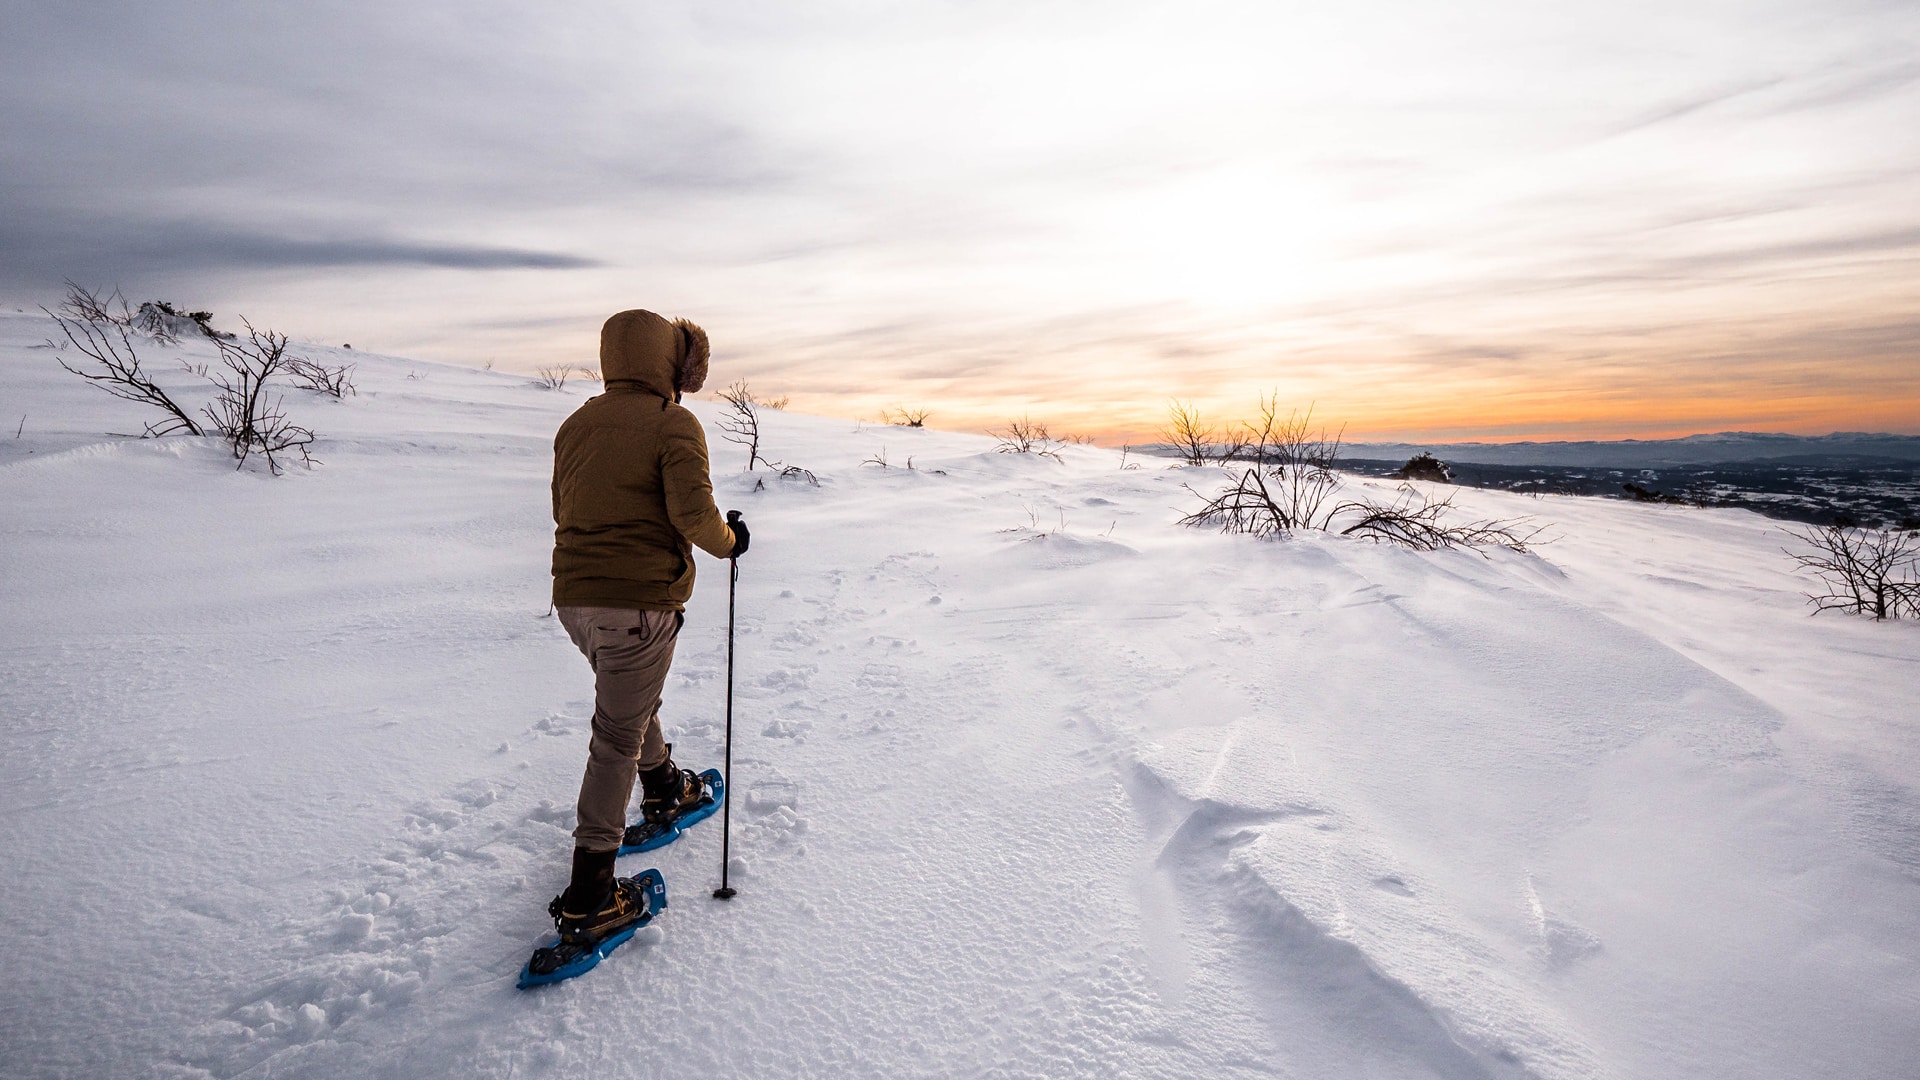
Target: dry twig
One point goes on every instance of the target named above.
(1863, 571)
(105, 336)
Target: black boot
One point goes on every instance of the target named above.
(594, 904)
(667, 791)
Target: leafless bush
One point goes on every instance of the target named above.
(1248, 506)
(1191, 436)
(1273, 503)
(102, 330)
(777, 404)
(1293, 487)
(906, 417)
(241, 412)
(1290, 440)
(741, 426)
(1419, 523)
(591, 374)
(334, 380)
(1863, 571)
(1024, 436)
(553, 378)
(880, 458)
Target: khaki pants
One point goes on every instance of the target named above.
(630, 652)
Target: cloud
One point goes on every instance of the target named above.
(1097, 203)
(38, 247)
(1668, 112)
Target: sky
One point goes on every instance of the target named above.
(1495, 220)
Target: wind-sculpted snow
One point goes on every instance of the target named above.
(1028, 782)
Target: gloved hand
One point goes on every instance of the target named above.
(740, 534)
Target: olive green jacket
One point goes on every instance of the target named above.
(632, 494)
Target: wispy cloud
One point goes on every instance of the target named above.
(96, 247)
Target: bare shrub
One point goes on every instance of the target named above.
(241, 412)
(1249, 506)
(102, 330)
(1290, 440)
(1187, 433)
(1417, 522)
(741, 426)
(906, 417)
(1024, 436)
(1293, 487)
(334, 380)
(777, 404)
(591, 374)
(1862, 571)
(1268, 503)
(553, 378)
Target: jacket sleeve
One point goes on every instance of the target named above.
(689, 487)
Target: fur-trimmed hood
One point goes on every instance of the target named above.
(664, 358)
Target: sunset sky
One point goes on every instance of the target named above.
(1434, 221)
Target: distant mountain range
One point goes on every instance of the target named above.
(1853, 448)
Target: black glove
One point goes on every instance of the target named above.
(740, 534)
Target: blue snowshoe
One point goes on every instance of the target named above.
(635, 902)
(687, 803)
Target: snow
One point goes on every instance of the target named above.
(1029, 781)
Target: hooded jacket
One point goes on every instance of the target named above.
(632, 495)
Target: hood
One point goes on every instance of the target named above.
(663, 358)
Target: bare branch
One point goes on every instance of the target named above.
(1418, 523)
(241, 413)
(333, 380)
(1025, 436)
(1863, 571)
(105, 336)
(1187, 433)
(742, 426)
(1293, 485)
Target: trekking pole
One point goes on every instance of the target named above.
(726, 773)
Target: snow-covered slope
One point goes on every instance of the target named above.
(1029, 781)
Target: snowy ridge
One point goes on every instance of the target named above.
(1029, 782)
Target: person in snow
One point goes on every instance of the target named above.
(632, 498)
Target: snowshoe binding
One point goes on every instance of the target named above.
(673, 800)
(587, 938)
